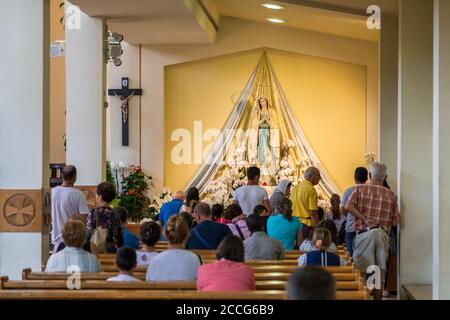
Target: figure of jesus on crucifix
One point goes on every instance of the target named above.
(125, 94)
(124, 106)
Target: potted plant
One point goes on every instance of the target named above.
(134, 197)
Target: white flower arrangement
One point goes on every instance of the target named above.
(158, 200)
(221, 190)
(289, 144)
(284, 163)
(325, 205)
(370, 157)
(232, 176)
(241, 150)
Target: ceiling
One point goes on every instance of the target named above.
(195, 22)
(133, 8)
(301, 17)
(350, 6)
(150, 21)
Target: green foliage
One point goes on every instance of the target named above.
(134, 194)
(152, 213)
(109, 176)
(116, 202)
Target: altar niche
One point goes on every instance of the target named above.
(125, 94)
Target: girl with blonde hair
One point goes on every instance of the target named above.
(321, 257)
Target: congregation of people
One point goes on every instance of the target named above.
(253, 227)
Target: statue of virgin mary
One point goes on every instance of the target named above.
(264, 140)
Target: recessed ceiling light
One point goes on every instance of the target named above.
(276, 20)
(272, 6)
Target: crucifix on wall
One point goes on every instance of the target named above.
(125, 94)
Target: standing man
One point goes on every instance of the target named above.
(361, 176)
(305, 202)
(251, 195)
(67, 203)
(375, 210)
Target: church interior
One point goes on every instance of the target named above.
(184, 93)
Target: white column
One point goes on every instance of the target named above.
(24, 134)
(389, 95)
(441, 151)
(415, 133)
(85, 90)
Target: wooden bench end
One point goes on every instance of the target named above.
(25, 273)
(3, 280)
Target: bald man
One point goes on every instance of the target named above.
(67, 203)
(170, 208)
(305, 202)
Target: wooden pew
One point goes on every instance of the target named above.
(207, 257)
(165, 244)
(144, 285)
(263, 276)
(281, 268)
(257, 268)
(51, 290)
(291, 254)
(292, 262)
(158, 295)
(287, 252)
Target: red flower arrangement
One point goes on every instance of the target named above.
(134, 194)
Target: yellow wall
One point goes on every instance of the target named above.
(327, 97)
(57, 89)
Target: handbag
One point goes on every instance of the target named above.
(98, 238)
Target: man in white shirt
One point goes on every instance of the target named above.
(249, 196)
(67, 203)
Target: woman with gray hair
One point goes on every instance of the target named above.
(73, 255)
(283, 226)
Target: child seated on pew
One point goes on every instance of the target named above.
(311, 283)
(320, 256)
(126, 262)
(308, 244)
(150, 235)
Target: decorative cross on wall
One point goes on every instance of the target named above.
(125, 94)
